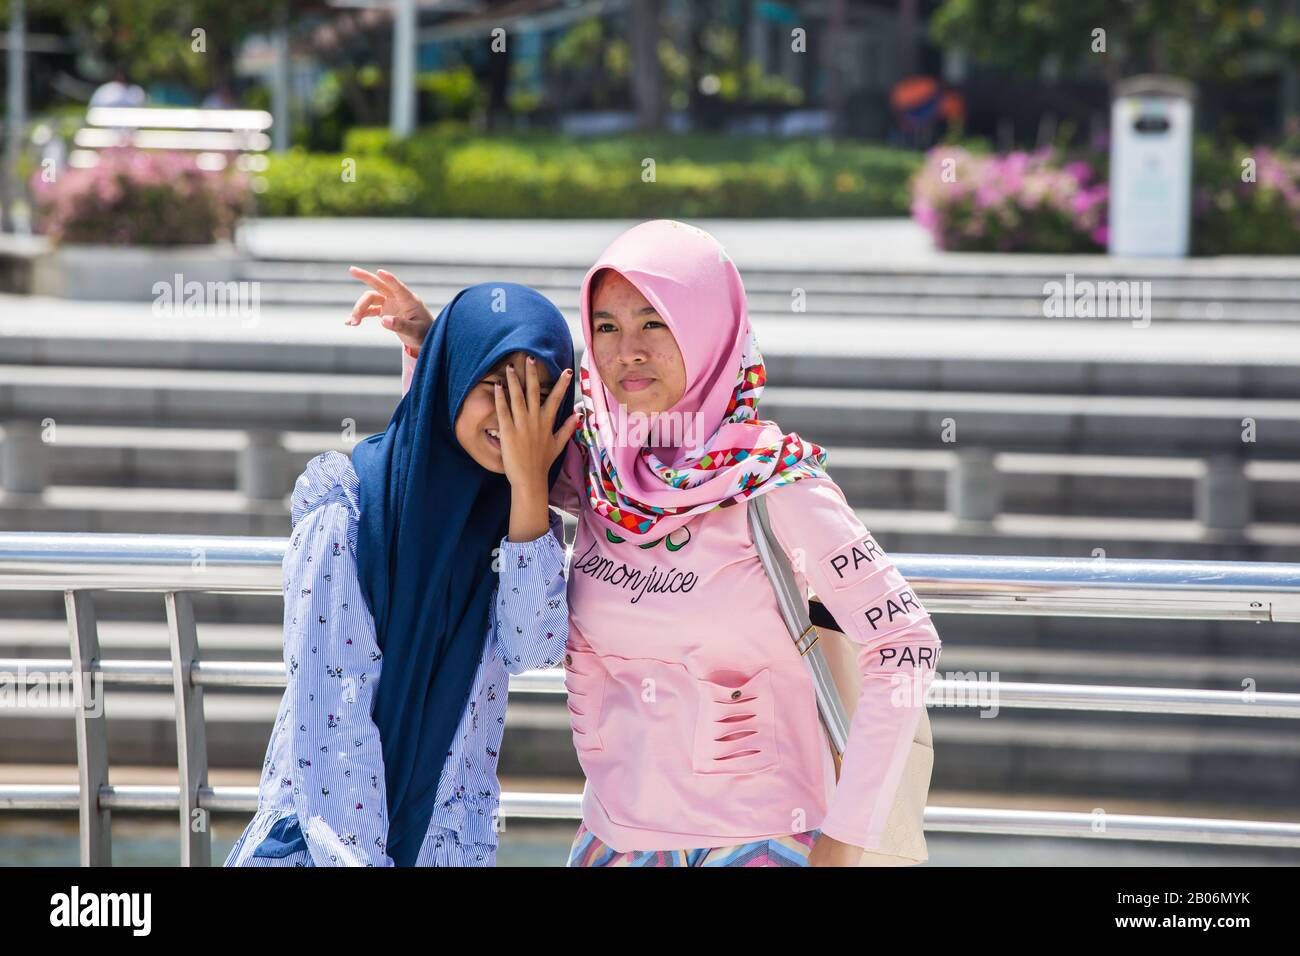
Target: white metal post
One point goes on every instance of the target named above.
(402, 118)
(282, 127)
(15, 112)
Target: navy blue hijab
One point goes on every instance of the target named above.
(430, 519)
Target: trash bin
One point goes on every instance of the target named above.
(1151, 166)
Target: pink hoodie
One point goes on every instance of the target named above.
(693, 715)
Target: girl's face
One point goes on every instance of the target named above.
(476, 425)
(635, 353)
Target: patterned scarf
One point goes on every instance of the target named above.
(744, 455)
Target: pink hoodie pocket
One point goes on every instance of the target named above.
(584, 678)
(735, 728)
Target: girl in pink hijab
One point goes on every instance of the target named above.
(693, 714)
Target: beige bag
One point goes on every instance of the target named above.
(832, 658)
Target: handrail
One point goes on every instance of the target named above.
(970, 584)
(178, 565)
(974, 693)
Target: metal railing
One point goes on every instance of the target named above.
(178, 566)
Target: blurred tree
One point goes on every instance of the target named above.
(589, 66)
(154, 41)
(1203, 40)
(498, 87)
(449, 94)
(834, 60)
(647, 72)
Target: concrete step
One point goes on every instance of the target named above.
(141, 640)
(860, 416)
(141, 730)
(1174, 669)
(819, 297)
(135, 458)
(871, 245)
(185, 511)
(1065, 484)
(1045, 753)
(142, 457)
(905, 358)
(995, 280)
(1096, 424)
(92, 510)
(1020, 355)
(201, 399)
(144, 609)
(938, 532)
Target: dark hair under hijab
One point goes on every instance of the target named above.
(430, 519)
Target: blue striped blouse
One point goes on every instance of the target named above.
(321, 798)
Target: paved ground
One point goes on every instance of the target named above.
(751, 243)
(798, 245)
(1052, 339)
(831, 243)
(828, 244)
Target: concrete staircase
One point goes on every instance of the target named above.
(887, 291)
(1102, 435)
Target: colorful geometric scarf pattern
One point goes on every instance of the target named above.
(770, 458)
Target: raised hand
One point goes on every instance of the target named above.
(398, 308)
(529, 446)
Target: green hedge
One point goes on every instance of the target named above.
(318, 184)
(449, 171)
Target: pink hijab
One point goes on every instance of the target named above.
(650, 489)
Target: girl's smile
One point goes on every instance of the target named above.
(477, 428)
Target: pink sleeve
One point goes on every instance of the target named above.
(408, 369)
(839, 559)
(564, 493)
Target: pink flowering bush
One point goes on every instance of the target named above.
(137, 197)
(1237, 209)
(1036, 202)
(1047, 202)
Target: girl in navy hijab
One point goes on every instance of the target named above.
(430, 556)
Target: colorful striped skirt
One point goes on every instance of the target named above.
(792, 850)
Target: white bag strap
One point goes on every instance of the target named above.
(794, 611)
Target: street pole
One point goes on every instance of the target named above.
(833, 61)
(15, 113)
(402, 110)
(282, 122)
(647, 75)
